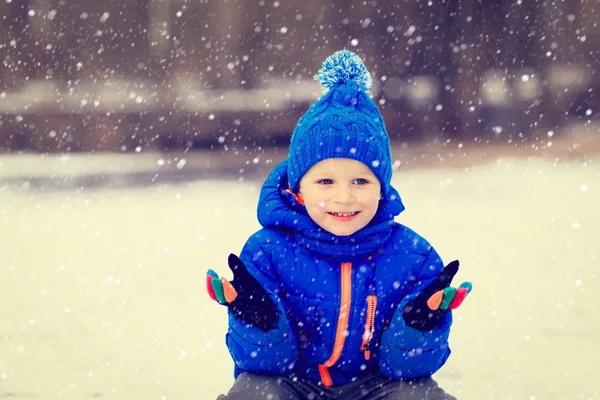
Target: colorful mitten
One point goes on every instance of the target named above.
(427, 309)
(244, 296)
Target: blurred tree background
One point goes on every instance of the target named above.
(136, 75)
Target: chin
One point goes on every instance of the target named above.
(343, 232)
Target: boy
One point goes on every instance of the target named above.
(332, 298)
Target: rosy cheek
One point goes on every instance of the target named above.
(315, 209)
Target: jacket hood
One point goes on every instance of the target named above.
(278, 209)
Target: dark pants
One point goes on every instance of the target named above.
(376, 387)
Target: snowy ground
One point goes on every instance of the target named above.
(102, 289)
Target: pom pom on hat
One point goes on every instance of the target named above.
(341, 67)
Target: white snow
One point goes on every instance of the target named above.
(530, 328)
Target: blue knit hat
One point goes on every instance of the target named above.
(343, 123)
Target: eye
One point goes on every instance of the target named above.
(361, 181)
(325, 181)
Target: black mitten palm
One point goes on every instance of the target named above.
(429, 307)
(244, 296)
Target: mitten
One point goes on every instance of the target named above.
(244, 296)
(429, 307)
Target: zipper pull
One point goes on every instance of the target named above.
(367, 350)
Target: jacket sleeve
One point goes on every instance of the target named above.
(406, 352)
(253, 350)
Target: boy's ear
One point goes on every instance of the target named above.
(297, 196)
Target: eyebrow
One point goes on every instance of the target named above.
(364, 175)
(329, 174)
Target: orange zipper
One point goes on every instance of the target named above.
(369, 325)
(342, 325)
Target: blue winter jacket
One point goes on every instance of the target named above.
(340, 299)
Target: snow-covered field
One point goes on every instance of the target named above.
(102, 289)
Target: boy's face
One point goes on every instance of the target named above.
(341, 195)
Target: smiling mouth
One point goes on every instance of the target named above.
(346, 214)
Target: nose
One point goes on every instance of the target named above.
(344, 194)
